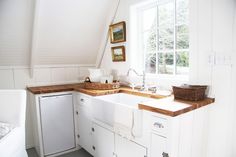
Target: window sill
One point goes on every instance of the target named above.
(177, 78)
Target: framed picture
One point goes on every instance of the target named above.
(118, 54)
(118, 32)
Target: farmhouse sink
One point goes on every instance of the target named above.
(119, 107)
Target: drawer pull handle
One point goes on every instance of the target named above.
(82, 100)
(165, 154)
(158, 125)
(93, 147)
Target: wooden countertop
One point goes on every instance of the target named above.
(164, 105)
(54, 88)
(79, 88)
(172, 107)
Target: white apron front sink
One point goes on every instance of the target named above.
(119, 109)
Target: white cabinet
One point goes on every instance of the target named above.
(103, 141)
(57, 122)
(84, 122)
(162, 136)
(127, 148)
(158, 146)
(108, 144)
(54, 123)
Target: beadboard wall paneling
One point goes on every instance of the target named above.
(7, 79)
(68, 31)
(234, 82)
(15, 31)
(19, 77)
(22, 79)
(211, 33)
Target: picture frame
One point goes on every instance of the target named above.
(117, 32)
(118, 54)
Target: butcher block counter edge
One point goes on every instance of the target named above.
(79, 88)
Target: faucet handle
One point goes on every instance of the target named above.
(152, 89)
(132, 85)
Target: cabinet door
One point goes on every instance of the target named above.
(85, 123)
(126, 148)
(103, 141)
(57, 122)
(85, 129)
(158, 146)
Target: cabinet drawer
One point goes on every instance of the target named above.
(82, 99)
(159, 125)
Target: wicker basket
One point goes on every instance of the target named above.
(101, 86)
(190, 92)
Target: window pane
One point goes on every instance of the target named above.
(182, 41)
(166, 43)
(166, 14)
(165, 63)
(168, 31)
(182, 11)
(149, 19)
(166, 26)
(150, 41)
(150, 63)
(162, 36)
(182, 29)
(182, 63)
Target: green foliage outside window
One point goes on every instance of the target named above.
(164, 40)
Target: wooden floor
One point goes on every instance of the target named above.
(79, 153)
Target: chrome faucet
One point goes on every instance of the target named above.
(143, 87)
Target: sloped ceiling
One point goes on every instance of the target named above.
(65, 31)
(69, 31)
(15, 31)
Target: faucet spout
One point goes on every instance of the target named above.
(144, 81)
(133, 70)
(143, 87)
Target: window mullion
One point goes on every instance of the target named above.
(157, 40)
(143, 45)
(175, 37)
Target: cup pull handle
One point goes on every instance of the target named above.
(158, 125)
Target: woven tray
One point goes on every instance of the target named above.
(190, 92)
(101, 86)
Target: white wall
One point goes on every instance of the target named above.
(65, 31)
(221, 113)
(15, 31)
(68, 31)
(123, 14)
(234, 83)
(211, 33)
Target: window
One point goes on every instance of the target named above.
(164, 37)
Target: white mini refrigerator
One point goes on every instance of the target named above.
(57, 123)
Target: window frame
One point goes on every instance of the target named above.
(174, 51)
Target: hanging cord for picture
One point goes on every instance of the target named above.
(107, 34)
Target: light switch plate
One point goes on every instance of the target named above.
(221, 60)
